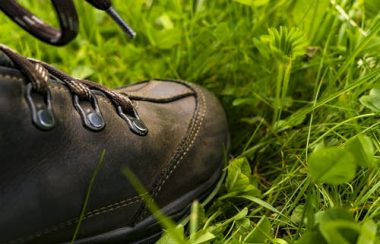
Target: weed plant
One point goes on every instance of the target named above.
(299, 80)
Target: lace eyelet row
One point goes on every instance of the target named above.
(89, 111)
(39, 97)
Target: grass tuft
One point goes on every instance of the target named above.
(299, 82)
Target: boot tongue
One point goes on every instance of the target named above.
(5, 60)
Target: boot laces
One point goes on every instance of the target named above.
(38, 74)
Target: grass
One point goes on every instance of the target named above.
(299, 82)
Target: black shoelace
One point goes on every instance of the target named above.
(67, 16)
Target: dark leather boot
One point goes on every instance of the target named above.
(53, 128)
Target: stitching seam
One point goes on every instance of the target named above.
(131, 94)
(10, 77)
(194, 136)
(90, 214)
(182, 148)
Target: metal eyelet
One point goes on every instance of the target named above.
(91, 115)
(41, 108)
(135, 123)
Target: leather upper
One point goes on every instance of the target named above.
(45, 175)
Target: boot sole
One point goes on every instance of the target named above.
(149, 230)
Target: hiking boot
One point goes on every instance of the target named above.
(53, 130)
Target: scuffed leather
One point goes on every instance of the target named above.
(45, 174)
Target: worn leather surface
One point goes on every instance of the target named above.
(44, 175)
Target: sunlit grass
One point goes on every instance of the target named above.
(291, 76)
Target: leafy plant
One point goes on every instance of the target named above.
(372, 100)
(299, 83)
(283, 46)
(338, 226)
(337, 165)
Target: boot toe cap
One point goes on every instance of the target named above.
(201, 154)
